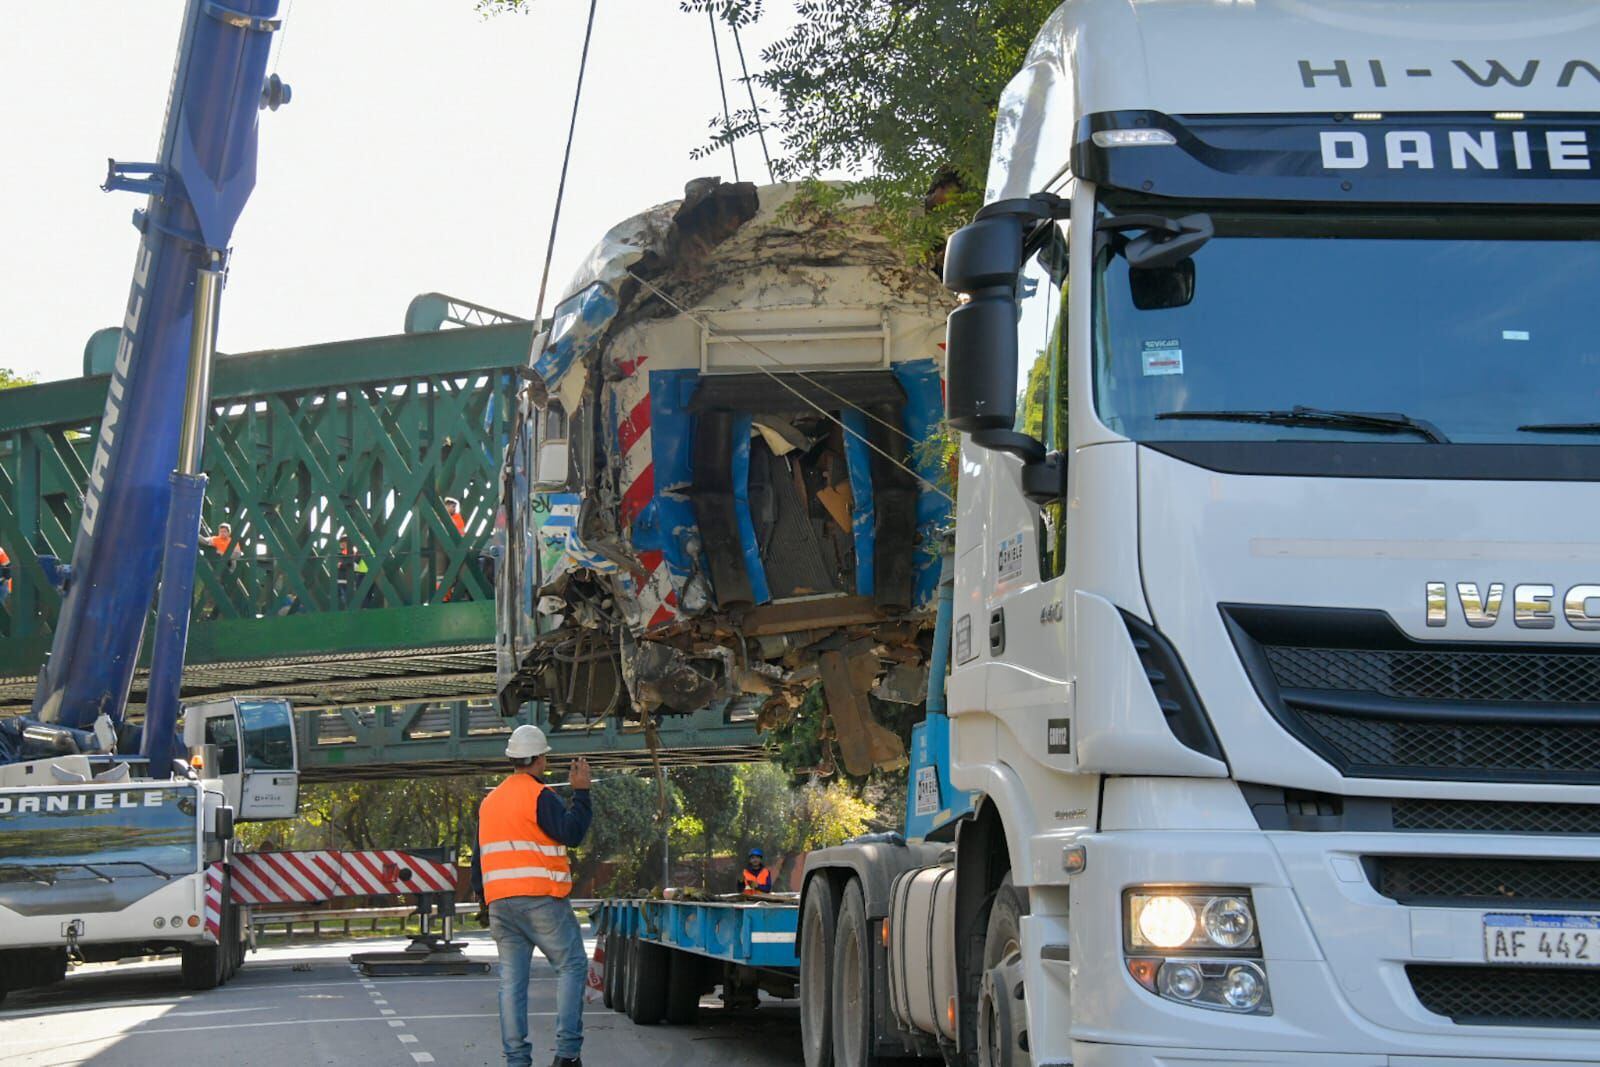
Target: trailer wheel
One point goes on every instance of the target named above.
(202, 966)
(685, 977)
(625, 957)
(647, 983)
(852, 983)
(816, 970)
(608, 983)
(1002, 1001)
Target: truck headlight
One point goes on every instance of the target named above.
(1190, 920)
(1197, 946)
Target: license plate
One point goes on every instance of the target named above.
(1547, 940)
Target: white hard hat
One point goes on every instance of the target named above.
(527, 742)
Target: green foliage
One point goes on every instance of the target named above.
(827, 815)
(627, 830)
(900, 95)
(10, 379)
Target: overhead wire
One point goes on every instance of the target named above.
(722, 87)
(566, 160)
(755, 112)
(705, 324)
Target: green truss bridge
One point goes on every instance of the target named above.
(387, 653)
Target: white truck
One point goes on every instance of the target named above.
(1275, 668)
(99, 862)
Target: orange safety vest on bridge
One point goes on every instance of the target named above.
(519, 859)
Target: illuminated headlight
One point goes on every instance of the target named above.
(1190, 920)
(1197, 946)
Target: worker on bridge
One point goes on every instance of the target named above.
(756, 876)
(524, 831)
(222, 540)
(5, 577)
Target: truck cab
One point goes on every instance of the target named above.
(1275, 657)
(252, 743)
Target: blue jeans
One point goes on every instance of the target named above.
(519, 925)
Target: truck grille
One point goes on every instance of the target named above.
(1509, 996)
(1376, 703)
(1495, 817)
(1524, 677)
(1445, 748)
(1486, 881)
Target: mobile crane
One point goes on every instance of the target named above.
(104, 853)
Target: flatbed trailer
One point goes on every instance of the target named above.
(662, 956)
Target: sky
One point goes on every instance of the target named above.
(420, 153)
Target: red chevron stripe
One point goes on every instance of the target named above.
(633, 426)
(638, 494)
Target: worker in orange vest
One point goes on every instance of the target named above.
(524, 831)
(756, 876)
(222, 539)
(452, 507)
(5, 577)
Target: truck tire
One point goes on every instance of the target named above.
(608, 978)
(852, 983)
(685, 977)
(202, 966)
(625, 958)
(1002, 1001)
(647, 983)
(816, 972)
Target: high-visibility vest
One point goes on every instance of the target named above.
(758, 881)
(519, 859)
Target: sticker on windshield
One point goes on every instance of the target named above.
(1163, 357)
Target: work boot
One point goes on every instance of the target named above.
(562, 1061)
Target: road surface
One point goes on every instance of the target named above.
(304, 1004)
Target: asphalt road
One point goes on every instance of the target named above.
(307, 1005)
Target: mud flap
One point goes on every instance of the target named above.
(864, 743)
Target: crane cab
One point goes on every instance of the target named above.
(248, 743)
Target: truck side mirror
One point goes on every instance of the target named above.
(224, 831)
(982, 261)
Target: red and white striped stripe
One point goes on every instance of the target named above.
(213, 909)
(657, 599)
(314, 876)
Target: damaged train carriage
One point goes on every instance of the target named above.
(723, 480)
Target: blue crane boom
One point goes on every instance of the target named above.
(142, 504)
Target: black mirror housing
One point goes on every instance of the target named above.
(981, 363)
(224, 824)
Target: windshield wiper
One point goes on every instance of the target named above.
(37, 875)
(1373, 421)
(1561, 427)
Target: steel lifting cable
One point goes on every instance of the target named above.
(566, 158)
(705, 324)
(722, 87)
(755, 112)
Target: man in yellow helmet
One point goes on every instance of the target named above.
(524, 830)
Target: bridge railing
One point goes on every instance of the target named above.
(363, 438)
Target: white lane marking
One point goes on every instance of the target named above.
(209, 1011)
(422, 1057)
(386, 1011)
(407, 1039)
(380, 1002)
(396, 1022)
(300, 1022)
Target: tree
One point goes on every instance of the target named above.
(418, 813)
(900, 95)
(10, 379)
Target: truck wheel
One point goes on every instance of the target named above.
(1002, 1002)
(816, 970)
(852, 983)
(684, 980)
(608, 982)
(202, 966)
(647, 983)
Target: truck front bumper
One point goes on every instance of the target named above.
(1335, 951)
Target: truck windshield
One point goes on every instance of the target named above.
(47, 836)
(1480, 330)
(268, 735)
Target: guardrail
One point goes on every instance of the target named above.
(261, 921)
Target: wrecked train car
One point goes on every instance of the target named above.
(723, 480)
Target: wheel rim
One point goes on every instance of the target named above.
(1003, 1017)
